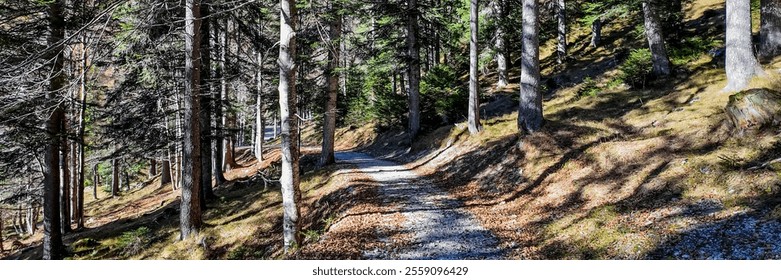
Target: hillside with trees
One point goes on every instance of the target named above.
(392, 129)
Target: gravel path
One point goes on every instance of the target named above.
(438, 227)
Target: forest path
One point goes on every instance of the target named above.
(434, 224)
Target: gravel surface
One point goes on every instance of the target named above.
(435, 223)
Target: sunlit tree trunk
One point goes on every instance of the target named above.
(561, 17)
(291, 194)
(741, 64)
(474, 87)
(530, 118)
(329, 120)
(653, 32)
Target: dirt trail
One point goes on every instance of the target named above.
(437, 226)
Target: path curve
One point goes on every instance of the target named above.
(436, 222)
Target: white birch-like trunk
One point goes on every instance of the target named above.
(291, 194)
(474, 87)
(741, 64)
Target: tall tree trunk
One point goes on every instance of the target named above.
(152, 168)
(114, 177)
(474, 86)
(52, 238)
(165, 172)
(741, 64)
(30, 216)
(65, 181)
(596, 32)
(2, 249)
(74, 185)
(653, 32)
(218, 151)
(291, 194)
(329, 120)
(561, 16)
(413, 69)
(770, 30)
(205, 102)
(500, 47)
(95, 181)
(82, 139)
(260, 129)
(530, 117)
(190, 209)
(228, 161)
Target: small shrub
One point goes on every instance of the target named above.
(637, 68)
(134, 241)
(444, 98)
(589, 88)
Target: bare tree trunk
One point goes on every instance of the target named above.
(190, 209)
(65, 181)
(530, 117)
(2, 248)
(114, 177)
(474, 86)
(499, 44)
(30, 216)
(770, 30)
(82, 139)
(205, 102)
(165, 172)
(291, 194)
(152, 168)
(228, 120)
(217, 170)
(260, 129)
(653, 32)
(74, 184)
(561, 16)
(413, 69)
(741, 64)
(95, 181)
(596, 32)
(329, 120)
(52, 238)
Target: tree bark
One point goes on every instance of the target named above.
(561, 16)
(52, 238)
(217, 156)
(190, 209)
(530, 117)
(114, 177)
(291, 194)
(741, 64)
(474, 86)
(82, 139)
(152, 168)
(413, 69)
(260, 128)
(95, 181)
(770, 30)
(65, 181)
(596, 32)
(205, 101)
(653, 32)
(228, 161)
(165, 172)
(2, 248)
(329, 120)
